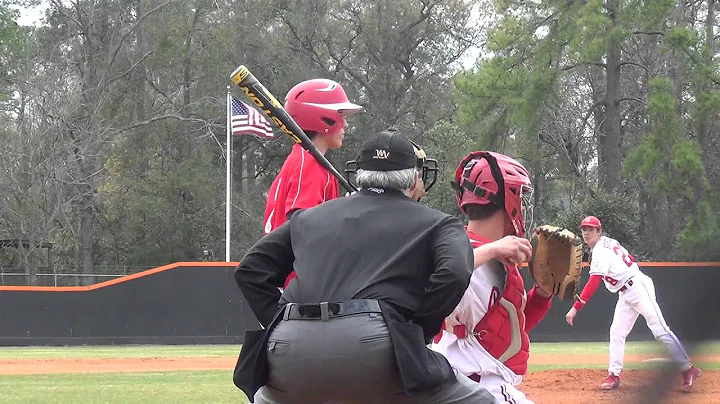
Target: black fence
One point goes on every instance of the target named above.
(193, 303)
(680, 289)
(179, 304)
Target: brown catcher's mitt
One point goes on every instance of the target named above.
(556, 261)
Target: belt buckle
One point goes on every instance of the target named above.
(625, 286)
(321, 310)
(308, 310)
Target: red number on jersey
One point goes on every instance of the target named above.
(628, 259)
(610, 280)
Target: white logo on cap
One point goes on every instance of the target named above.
(381, 154)
(330, 87)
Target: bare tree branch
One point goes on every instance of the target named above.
(130, 69)
(569, 67)
(160, 118)
(649, 33)
(133, 28)
(631, 99)
(634, 64)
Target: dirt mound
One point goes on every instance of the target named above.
(582, 386)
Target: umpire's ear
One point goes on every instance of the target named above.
(417, 190)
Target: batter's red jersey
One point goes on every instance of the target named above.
(301, 184)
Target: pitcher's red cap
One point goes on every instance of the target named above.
(591, 221)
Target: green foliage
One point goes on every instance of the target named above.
(672, 164)
(129, 125)
(649, 159)
(586, 30)
(687, 160)
(618, 214)
(700, 235)
(162, 215)
(681, 37)
(13, 49)
(448, 144)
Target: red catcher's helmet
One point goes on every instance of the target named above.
(591, 221)
(485, 177)
(319, 105)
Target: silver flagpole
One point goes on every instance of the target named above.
(228, 185)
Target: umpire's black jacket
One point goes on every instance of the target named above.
(376, 244)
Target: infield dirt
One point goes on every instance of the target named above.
(558, 386)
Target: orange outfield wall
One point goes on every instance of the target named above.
(168, 267)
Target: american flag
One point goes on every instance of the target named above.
(246, 119)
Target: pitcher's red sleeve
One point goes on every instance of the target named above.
(588, 291)
(536, 308)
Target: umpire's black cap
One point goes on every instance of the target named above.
(387, 151)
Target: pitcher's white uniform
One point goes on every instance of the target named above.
(467, 355)
(636, 296)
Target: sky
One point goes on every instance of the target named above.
(32, 15)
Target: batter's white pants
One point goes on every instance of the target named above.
(504, 392)
(639, 299)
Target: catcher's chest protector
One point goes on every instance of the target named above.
(501, 331)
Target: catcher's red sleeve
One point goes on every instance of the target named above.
(588, 291)
(536, 308)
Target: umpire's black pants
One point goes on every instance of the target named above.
(347, 359)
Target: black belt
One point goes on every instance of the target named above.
(628, 283)
(328, 310)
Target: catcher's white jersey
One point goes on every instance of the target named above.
(613, 263)
(467, 355)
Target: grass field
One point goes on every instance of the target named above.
(206, 386)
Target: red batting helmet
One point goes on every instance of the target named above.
(485, 177)
(591, 221)
(319, 105)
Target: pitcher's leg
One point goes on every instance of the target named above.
(648, 307)
(623, 322)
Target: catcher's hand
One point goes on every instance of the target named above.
(556, 261)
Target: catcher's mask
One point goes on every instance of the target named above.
(487, 177)
(427, 167)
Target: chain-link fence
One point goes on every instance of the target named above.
(14, 277)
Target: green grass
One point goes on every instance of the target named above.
(157, 387)
(135, 351)
(639, 348)
(155, 351)
(214, 387)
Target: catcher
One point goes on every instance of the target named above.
(486, 336)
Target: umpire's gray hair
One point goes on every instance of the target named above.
(400, 180)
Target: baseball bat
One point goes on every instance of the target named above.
(253, 89)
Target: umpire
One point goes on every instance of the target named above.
(377, 272)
